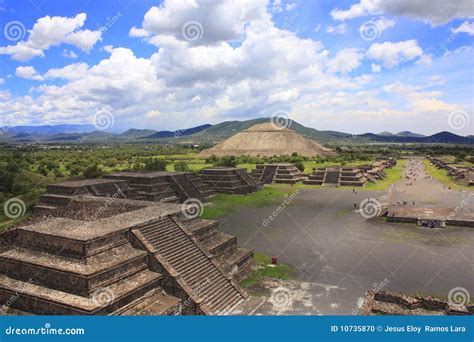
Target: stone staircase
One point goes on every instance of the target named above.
(182, 256)
(51, 272)
(229, 180)
(284, 173)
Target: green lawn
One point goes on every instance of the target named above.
(224, 204)
(265, 269)
(394, 174)
(442, 176)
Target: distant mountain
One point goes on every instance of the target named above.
(409, 134)
(178, 133)
(48, 129)
(137, 133)
(209, 134)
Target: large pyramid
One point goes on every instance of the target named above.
(266, 140)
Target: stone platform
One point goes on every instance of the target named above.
(392, 303)
(97, 257)
(337, 176)
(450, 216)
(166, 186)
(60, 194)
(230, 180)
(285, 173)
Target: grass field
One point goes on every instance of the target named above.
(394, 174)
(442, 176)
(224, 204)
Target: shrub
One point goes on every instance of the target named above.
(181, 166)
(92, 171)
(299, 164)
(226, 161)
(155, 164)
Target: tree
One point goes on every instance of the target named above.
(299, 164)
(155, 164)
(92, 171)
(181, 166)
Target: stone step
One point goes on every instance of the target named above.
(45, 301)
(154, 303)
(53, 199)
(219, 243)
(71, 275)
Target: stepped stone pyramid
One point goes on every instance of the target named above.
(339, 176)
(166, 186)
(376, 171)
(229, 180)
(97, 257)
(60, 194)
(278, 173)
(266, 140)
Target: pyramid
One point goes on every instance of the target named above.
(265, 140)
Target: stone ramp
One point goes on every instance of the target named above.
(268, 174)
(185, 188)
(191, 266)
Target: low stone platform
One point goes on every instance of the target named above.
(60, 194)
(285, 173)
(230, 180)
(392, 303)
(450, 216)
(101, 257)
(376, 171)
(166, 186)
(337, 176)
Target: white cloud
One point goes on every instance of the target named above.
(466, 27)
(392, 54)
(69, 72)
(436, 12)
(28, 72)
(53, 31)
(346, 60)
(2, 81)
(69, 54)
(375, 68)
(340, 29)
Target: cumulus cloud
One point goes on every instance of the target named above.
(200, 22)
(435, 12)
(28, 72)
(346, 60)
(69, 54)
(53, 31)
(392, 54)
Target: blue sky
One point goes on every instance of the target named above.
(353, 66)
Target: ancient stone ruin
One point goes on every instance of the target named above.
(112, 256)
(229, 180)
(278, 173)
(337, 176)
(464, 175)
(392, 303)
